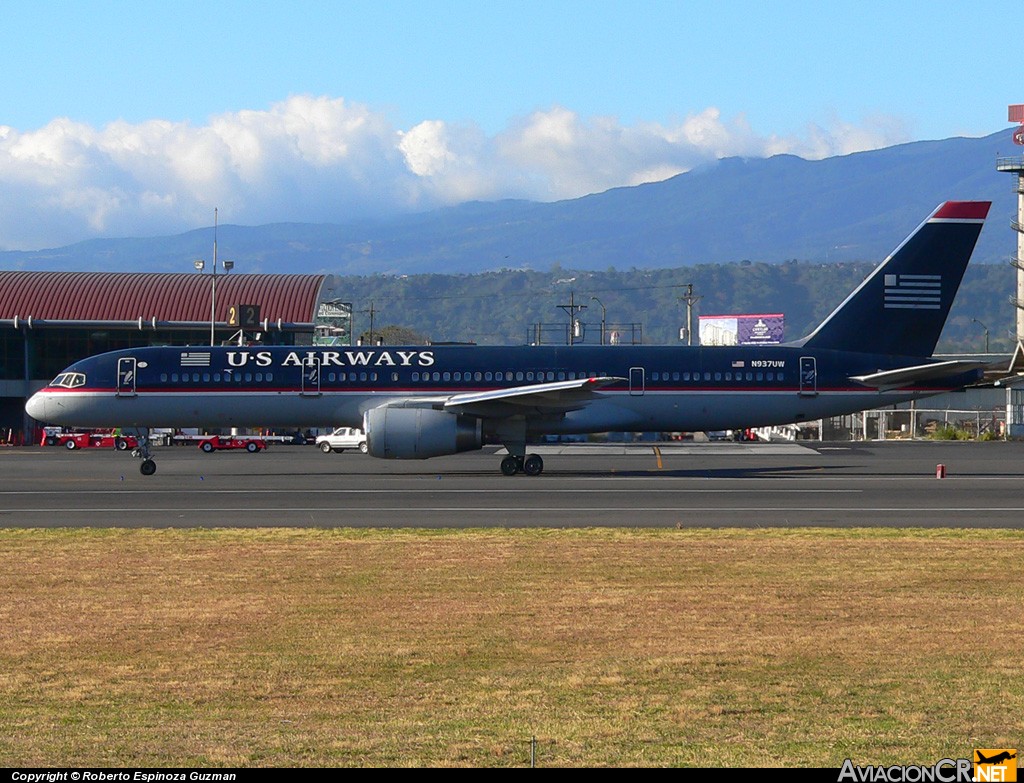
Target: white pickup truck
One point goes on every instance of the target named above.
(342, 438)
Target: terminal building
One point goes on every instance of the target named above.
(49, 320)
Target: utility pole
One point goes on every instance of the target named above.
(690, 300)
(572, 309)
(604, 316)
(371, 312)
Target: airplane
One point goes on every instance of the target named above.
(996, 759)
(416, 402)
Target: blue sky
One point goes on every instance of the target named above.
(124, 118)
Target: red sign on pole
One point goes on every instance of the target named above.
(1016, 112)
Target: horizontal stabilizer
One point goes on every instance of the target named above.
(918, 374)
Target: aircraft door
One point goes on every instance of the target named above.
(808, 376)
(311, 376)
(126, 377)
(636, 381)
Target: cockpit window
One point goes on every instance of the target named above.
(69, 380)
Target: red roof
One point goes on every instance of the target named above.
(116, 296)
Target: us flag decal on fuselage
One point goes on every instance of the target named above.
(196, 359)
(913, 292)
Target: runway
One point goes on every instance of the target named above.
(890, 484)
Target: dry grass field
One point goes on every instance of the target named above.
(411, 648)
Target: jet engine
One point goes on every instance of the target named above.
(394, 432)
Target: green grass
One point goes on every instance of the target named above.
(612, 647)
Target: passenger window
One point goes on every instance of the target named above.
(488, 376)
(686, 376)
(561, 376)
(362, 376)
(373, 376)
(457, 376)
(447, 376)
(519, 375)
(394, 376)
(529, 375)
(759, 376)
(728, 376)
(270, 377)
(415, 376)
(174, 377)
(163, 377)
(477, 376)
(498, 376)
(437, 376)
(675, 376)
(771, 376)
(707, 376)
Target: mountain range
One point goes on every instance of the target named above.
(844, 208)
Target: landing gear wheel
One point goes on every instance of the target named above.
(533, 465)
(510, 466)
(147, 468)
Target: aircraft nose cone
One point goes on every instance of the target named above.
(36, 407)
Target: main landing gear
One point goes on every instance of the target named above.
(148, 466)
(531, 465)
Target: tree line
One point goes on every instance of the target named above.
(503, 306)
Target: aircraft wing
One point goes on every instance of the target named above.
(888, 380)
(555, 397)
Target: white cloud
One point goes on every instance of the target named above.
(321, 159)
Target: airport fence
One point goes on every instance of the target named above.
(909, 424)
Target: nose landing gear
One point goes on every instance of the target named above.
(148, 466)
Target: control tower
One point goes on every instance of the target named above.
(1015, 165)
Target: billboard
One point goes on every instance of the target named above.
(761, 329)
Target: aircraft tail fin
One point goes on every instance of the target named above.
(901, 307)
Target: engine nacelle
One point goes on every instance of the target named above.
(394, 432)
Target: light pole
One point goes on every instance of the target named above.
(604, 316)
(979, 323)
(200, 264)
